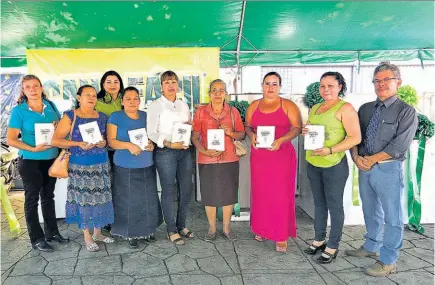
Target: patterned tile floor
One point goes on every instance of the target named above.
(244, 261)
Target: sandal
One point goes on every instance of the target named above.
(189, 234)
(105, 239)
(281, 246)
(92, 247)
(210, 236)
(177, 241)
(259, 238)
(229, 236)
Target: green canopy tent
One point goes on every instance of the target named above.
(248, 33)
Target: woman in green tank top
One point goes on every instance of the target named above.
(327, 167)
(109, 101)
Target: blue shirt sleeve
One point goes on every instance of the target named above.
(69, 114)
(54, 108)
(114, 119)
(104, 117)
(16, 120)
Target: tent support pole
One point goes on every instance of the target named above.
(239, 40)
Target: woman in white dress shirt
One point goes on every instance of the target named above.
(172, 159)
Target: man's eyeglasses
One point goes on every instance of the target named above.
(274, 84)
(385, 80)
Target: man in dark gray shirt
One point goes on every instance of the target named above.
(388, 126)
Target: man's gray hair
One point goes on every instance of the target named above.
(387, 66)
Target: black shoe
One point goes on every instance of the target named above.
(107, 228)
(58, 238)
(331, 256)
(43, 246)
(133, 242)
(151, 239)
(313, 249)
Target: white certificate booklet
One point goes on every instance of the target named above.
(44, 133)
(315, 138)
(90, 132)
(139, 137)
(216, 139)
(265, 136)
(182, 133)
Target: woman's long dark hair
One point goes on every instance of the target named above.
(102, 92)
(23, 97)
(79, 93)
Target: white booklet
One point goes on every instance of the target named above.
(315, 138)
(44, 133)
(265, 136)
(182, 133)
(90, 132)
(139, 137)
(216, 139)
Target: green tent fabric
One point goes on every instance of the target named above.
(264, 32)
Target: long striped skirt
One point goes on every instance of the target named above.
(89, 197)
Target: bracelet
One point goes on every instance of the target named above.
(330, 150)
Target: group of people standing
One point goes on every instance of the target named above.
(113, 182)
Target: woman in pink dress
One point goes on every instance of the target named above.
(273, 170)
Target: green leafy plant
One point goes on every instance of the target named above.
(312, 95)
(408, 94)
(241, 106)
(425, 128)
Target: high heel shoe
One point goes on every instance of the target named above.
(331, 256)
(312, 249)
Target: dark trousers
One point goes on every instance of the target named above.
(327, 185)
(111, 153)
(174, 166)
(37, 183)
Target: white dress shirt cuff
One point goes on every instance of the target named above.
(160, 141)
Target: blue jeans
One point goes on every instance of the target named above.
(174, 165)
(381, 195)
(327, 185)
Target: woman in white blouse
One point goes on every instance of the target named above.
(172, 159)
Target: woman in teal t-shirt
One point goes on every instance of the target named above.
(135, 199)
(35, 160)
(327, 167)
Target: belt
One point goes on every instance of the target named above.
(386, 161)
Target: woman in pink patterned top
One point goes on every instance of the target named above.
(218, 169)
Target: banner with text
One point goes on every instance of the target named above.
(62, 72)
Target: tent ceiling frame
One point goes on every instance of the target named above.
(326, 51)
(239, 36)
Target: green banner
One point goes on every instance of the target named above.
(14, 225)
(413, 178)
(355, 186)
